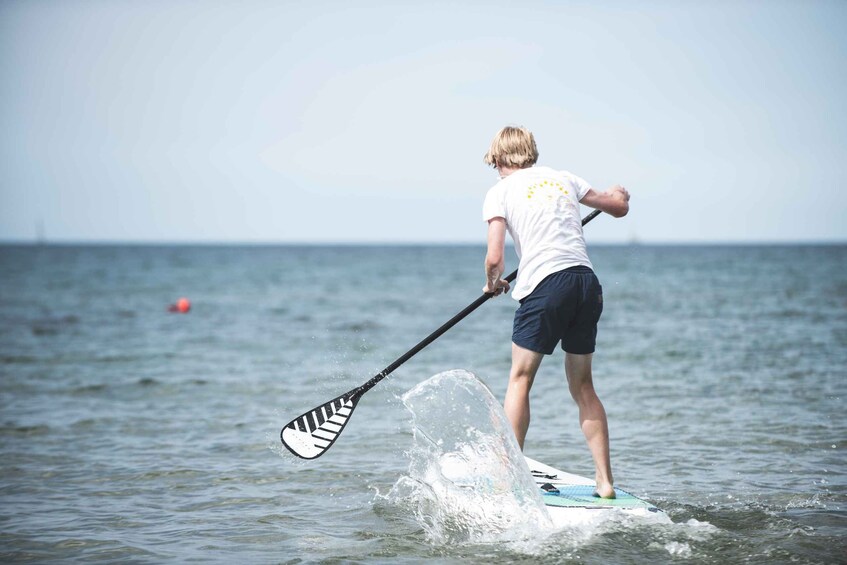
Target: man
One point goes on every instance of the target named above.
(560, 297)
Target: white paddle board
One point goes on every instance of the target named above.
(570, 498)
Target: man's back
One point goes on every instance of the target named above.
(541, 208)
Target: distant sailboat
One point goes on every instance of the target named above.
(39, 232)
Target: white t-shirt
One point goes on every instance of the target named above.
(541, 208)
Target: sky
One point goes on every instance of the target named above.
(366, 122)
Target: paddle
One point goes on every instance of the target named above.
(311, 434)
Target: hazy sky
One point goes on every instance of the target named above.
(288, 121)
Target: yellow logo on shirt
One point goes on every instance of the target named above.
(546, 189)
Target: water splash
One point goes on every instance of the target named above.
(467, 481)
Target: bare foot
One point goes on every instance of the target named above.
(604, 491)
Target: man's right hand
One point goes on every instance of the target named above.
(500, 287)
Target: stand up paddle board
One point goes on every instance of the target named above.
(570, 498)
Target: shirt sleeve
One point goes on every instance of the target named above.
(493, 207)
(582, 186)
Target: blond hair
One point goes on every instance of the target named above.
(513, 146)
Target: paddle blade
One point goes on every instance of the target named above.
(310, 435)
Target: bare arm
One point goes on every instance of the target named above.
(495, 259)
(614, 201)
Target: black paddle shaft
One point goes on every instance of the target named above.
(446, 326)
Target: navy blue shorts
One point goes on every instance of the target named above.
(565, 307)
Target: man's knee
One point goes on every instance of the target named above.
(578, 367)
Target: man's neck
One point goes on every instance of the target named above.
(506, 171)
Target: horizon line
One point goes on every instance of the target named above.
(409, 243)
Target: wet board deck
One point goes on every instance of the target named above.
(566, 493)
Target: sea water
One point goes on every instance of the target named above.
(130, 434)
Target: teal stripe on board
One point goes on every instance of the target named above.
(583, 496)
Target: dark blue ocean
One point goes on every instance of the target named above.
(130, 434)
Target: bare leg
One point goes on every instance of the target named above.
(525, 364)
(592, 419)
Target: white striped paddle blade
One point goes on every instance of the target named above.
(311, 434)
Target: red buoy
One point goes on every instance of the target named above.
(182, 306)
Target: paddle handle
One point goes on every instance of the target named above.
(446, 326)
